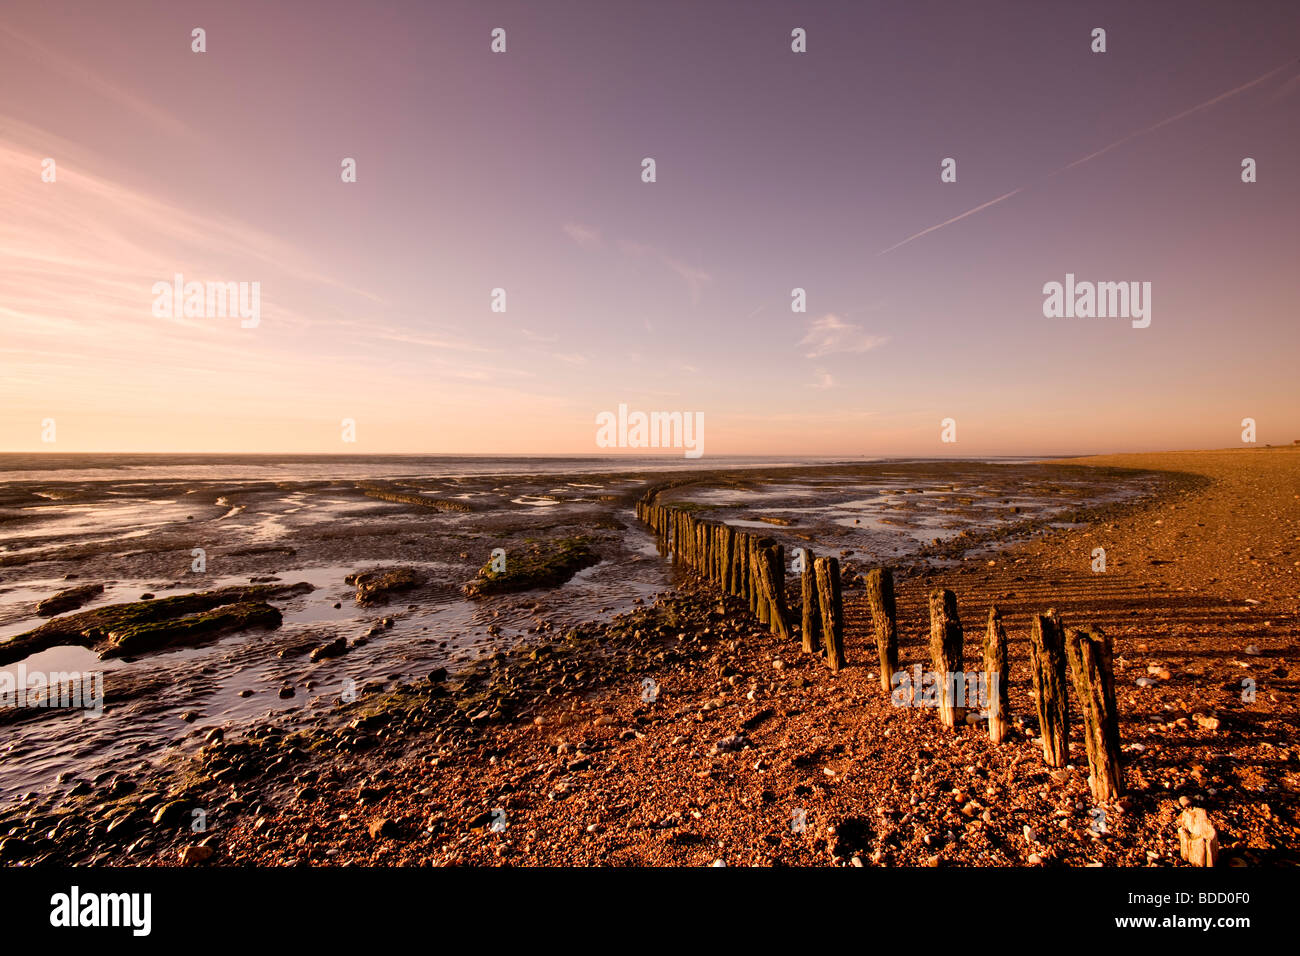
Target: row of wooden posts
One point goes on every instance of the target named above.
(752, 567)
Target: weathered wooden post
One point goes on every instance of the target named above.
(724, 555)
(946, 651)
(810, 624)
(884, 622)
(1090, 655)
(710, 551)
(737, 578)
(1047, 664)
(742, 569)
(995, 675)
(830, 610)
(771, 565)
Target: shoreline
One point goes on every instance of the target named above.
(407, 776)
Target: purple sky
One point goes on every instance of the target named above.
(522, 170)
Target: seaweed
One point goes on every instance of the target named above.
(541, 565)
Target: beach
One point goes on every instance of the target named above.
(620, 712)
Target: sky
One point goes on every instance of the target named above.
(522, 171)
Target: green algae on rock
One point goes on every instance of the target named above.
(141, 638)
(422, 501)
(68, 599)
(375, 586)
(94, 629)
(541, 565)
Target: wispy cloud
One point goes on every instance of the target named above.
(590, 239)
(831, 334)
(824, 380)
(694, 277)
(585, 236)
(50, 59)
(570, 358)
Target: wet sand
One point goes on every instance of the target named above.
(680, 733)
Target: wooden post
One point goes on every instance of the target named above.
(747, 545)
(946, 653)
(884, 621)
(995, 675)
(711, 537)
(724, 556)
(810, 625)
(773, 574)
(776, 564)
(830, 611)
(1089, 652)
(760, 604)
(737, 581)
(1047, 664)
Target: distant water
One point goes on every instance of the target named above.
(115, 467)
(111, 467)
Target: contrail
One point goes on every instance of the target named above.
(947, 222)
(1105, 149)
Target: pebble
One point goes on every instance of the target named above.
(197, 853)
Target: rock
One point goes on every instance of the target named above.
(1198, 840)
(334, 648)
(384, 828)
(196, 854)
(729, 745)
(374, 587)
(68, 600)
(170, 813)
(286, 691)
